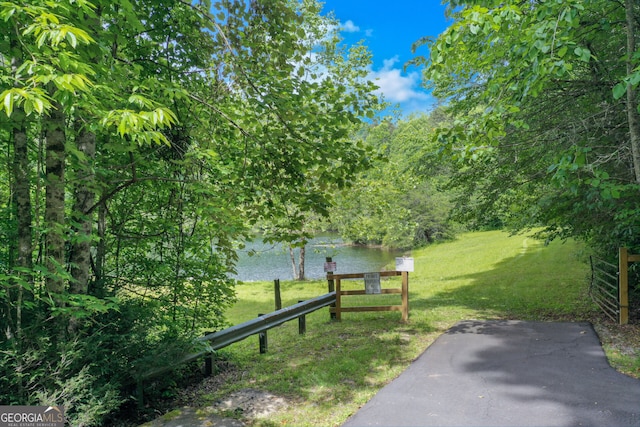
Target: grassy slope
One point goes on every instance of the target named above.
(337, 366)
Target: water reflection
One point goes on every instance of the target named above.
(272, 261)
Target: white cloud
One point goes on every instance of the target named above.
(398, 87)
(350, 27)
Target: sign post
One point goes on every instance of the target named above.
(405, 265)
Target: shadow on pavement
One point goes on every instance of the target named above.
(508, 373)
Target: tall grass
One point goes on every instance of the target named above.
(337, 366)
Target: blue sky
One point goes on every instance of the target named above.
(389, 29)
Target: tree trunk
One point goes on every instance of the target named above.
(54, 202)
(101, 251)
(85, 196)
(632, 103)
(21, 249)
(22, 198)
(298, 271)
(301, 263)
(22, 207)
(292, 255)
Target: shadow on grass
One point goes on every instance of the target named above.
(338, 362)
(540, 283)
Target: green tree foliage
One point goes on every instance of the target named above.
(542, 131)
(303, 140)
(399, 201)
(142, 139)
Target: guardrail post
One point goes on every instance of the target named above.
(208, 361)
(262, 340)
(276, 288)
(264, 344)
(302, 323)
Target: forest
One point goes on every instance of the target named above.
(144, 141)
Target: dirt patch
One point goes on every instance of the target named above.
(624, 338)
(197, 391)
(231, 411)
(193, 417)
(191, 405)
(250, 403)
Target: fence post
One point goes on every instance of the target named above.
(623, 286)
(331, 287)
(338, 314)
(276, 286)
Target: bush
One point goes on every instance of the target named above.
(38, 371)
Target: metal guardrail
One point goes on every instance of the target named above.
(244, 330)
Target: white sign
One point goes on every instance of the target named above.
(329, 267)
(404, 264)
(372, 283)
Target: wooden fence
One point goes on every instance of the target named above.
(338, 309)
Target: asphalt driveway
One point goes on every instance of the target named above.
(508, 373)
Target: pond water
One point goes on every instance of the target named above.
(272, 261)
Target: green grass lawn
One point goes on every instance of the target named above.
(337, 366)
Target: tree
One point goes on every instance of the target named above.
(303, 137)
(144, 138)
(540, 138)
(398, 201)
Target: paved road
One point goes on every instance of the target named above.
(508, 373)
